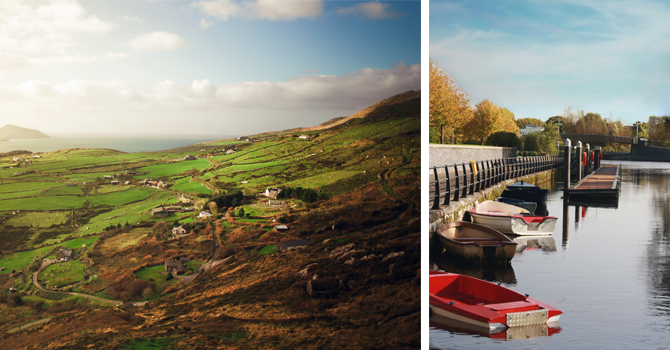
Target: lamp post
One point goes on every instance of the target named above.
(637, 130)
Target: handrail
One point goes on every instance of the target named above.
(460, 180)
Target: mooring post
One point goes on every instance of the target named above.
(596, 157)
(567, 148)
(588, 159)
(578, 153)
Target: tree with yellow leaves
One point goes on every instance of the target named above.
(449, 105)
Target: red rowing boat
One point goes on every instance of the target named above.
(486, 305)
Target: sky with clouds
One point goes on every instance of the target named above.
(201, 67)
(537, 57)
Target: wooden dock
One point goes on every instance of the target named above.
(601, 184)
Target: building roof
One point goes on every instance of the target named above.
(282, 227)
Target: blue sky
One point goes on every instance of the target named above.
(239, 67)
(538, 57)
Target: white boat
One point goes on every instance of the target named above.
(510, 219)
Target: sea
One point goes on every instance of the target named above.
(124, 143)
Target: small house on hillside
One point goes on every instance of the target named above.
(189, 157)
(174, 266)
(204, 214)
(181, 230)
(114, 182)
(272, 192)
(159, 212)
(529, 128)
(303, 137)
(230, 151)
(64, 255)
(288, 245)
(281, 228)
(184, 199)
(107, 177)
(130, 172)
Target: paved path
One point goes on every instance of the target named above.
(29, 325)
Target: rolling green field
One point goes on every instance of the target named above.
(60, 274)
(170, 169)
(18, 260)
(65, 190)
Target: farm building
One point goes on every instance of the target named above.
(174, 266)
(189, 157)
(281, 228)
(159, 212)
(303, 137)
(64, 255)
(114, 182)
(181, 230)
(130, 172)
(272, 192)
(288, 245)
(230, 151)
(184, 199)
(204, 214)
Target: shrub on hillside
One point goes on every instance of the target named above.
(504, 139)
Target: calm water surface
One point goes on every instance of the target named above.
(609, 274)
(129, 143)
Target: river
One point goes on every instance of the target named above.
(609, 273)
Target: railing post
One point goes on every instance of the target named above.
(447, 195)
(567, 148)
(458, 184)
(436, 202)
(465, 181)
(472, 179)
(588, 159)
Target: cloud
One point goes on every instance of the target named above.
(10, 61)
(204, 23)
(49, 27)
(157, 41)
(312, 71)
(371, 10)
(286, 10)
(132, 19)
(203, 106)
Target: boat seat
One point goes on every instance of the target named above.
(525, 305)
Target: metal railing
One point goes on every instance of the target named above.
(461, 180)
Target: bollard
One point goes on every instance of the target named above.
(578, 153)
(566, 164)
(587, 169)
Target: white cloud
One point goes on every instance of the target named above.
(48, 27)
(204, 23)
(261, 9)
(157, 41)
(132, 19)
(243, 107)
(10, 61)
(372, 10)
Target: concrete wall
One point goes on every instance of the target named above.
(452, 154)
(641, 152)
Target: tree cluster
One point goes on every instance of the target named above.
(304, 194)
(231, 199)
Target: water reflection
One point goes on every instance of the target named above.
(499, 273)
(513, 333)
(544, 243)
(658, 250)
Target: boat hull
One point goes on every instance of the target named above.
(476, 243)
(486, 305)
(508, 219)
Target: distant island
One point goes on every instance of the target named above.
(10, 131)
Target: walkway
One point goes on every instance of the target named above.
(602, 183)
(29, 325)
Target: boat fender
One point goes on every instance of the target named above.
(583, 158)
(592, 156)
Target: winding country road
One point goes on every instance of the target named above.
(51, 261)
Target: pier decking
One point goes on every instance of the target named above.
(603, 183)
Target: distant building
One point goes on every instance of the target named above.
(189, 157)
(204, 214)
(281, 228)
(181, 230)
(530, 129)
(174, 266)
(288, 245)
(272, 192)
(114, 182)
(64, 255)
(303, 137)
(159, 212)
(230, 151)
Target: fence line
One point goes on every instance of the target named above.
(463, 179)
